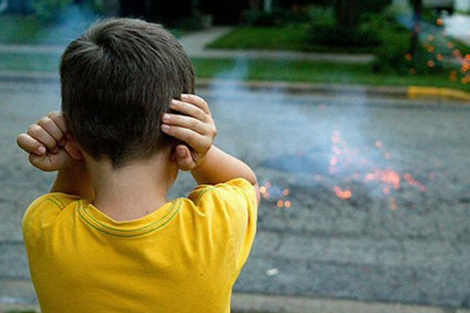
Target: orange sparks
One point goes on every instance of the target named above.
(431, 63)
(342, 194)
(391, 177)
(378, 144)
(287, 204)
(450, 45)
(408, 56)
(440, 57)
(285, 192)
(440, 22)
(280, 203)
(386, 176)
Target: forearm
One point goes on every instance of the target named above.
(74, 180)
(219, 166)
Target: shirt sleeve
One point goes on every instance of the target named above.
(41, 214)
(236, 201)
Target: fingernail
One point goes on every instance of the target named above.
(40, 150)
(183, 95)
(181, 152)
(166, 117)
(165, 127)
(173, 103)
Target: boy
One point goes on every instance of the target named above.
(106, 239)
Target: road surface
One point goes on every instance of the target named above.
(362, 198)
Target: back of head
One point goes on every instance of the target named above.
(117, 80)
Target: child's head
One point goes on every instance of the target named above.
(117, 80)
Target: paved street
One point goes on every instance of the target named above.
(364, 199)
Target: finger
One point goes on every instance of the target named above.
(197, 101)
(30, 145)
(187, 122)
(197, 141)
(41, 135)
(50, 126)
(188, 109)
(184, 160)
(49, 162)
(59, 119)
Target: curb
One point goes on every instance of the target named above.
(256, 303)
(412, 92)
(445, 93)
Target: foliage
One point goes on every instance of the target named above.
(195, 22)
(373, 6)
(277, 17)
(49, 10)
(395, 56)
(334, 36)
(19, 29)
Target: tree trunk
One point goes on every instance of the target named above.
(347, 13)
(417, 6)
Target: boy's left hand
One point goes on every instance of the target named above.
(195, 127)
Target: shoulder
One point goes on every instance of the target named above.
(236, 192)
(44, 210)
(233, 202)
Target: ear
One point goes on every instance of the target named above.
(74, 150)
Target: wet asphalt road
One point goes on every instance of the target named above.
(363, 198)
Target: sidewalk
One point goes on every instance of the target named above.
(255, 303)
(194, 44)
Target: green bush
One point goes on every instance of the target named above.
(334, 36)
(49, 10)
(278, 17)
(394, 57)
(373, 6)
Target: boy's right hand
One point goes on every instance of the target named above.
(195, 127)
(48, 143)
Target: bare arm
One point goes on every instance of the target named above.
(50, 148)
(207, 163)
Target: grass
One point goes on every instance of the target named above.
(263, 70)
(315, 72)
(263, 38)
(29, 62)
(287, 38)
(18, 29)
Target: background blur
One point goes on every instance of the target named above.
(353, 113)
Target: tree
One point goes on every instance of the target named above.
(347, 13)
(417, 7)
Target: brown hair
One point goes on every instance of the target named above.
(117, 80)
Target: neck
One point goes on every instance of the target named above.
(134, 190)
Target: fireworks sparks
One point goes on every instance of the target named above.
(279, 196)
(346, 159)
(342, 194)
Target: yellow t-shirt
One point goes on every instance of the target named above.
(183, 257)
